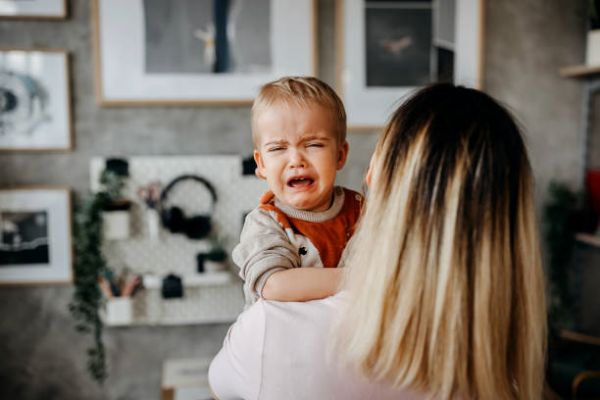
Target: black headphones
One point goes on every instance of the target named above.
(174, 219)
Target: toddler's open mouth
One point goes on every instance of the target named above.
(299, 181)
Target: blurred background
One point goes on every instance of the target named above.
(529, 49)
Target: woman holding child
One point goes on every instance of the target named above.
(442, 294)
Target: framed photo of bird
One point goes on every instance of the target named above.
(388, 48)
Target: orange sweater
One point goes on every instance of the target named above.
(276, 237)
(330, 236)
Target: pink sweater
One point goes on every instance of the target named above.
(278, 350)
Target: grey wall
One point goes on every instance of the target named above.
(41, 356)
(527, 42)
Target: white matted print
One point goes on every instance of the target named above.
(388, 48)
(54, 9)
(35, 236)
(199, 51)
(34, 100)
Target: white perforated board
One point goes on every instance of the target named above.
(175, 253)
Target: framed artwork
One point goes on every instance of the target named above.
(388, 48)
(35, 235)
(35, 107)
(199, 51)
(34, 9)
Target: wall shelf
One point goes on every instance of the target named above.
(206, 304)
(579, 71)
(209, 297)
(589, 239)
(579, 337)
(206, 279)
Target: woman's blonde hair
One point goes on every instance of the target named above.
(302, 91)
(445, 277)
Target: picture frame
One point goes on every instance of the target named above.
(179, 53)
(33, 9)
(397, 46)
(36, 100)
(35, 236)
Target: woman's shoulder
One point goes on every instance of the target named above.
(273, 343)
(312, 309)
(297, 342)
(310, 315)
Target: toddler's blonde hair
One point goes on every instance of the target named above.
(302, 91)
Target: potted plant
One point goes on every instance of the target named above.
(215, 259)
(116, 213)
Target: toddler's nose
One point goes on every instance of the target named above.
(297, 160)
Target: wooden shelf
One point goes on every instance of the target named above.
(579, 71)
(579, 337)
(205, 279)
(589, 239)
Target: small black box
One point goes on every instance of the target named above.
(172, 287)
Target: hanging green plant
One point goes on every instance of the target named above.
(90, 264)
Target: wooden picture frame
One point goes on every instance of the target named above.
(33, 9)
(35, 236)
(395, 47)
(168, 57)
(37, 101)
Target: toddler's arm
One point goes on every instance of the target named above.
(302, 284)
(264, 249)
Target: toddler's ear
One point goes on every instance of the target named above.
(260, 167)
(258, 174)
(342, 155)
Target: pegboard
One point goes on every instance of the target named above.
(175, 253)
